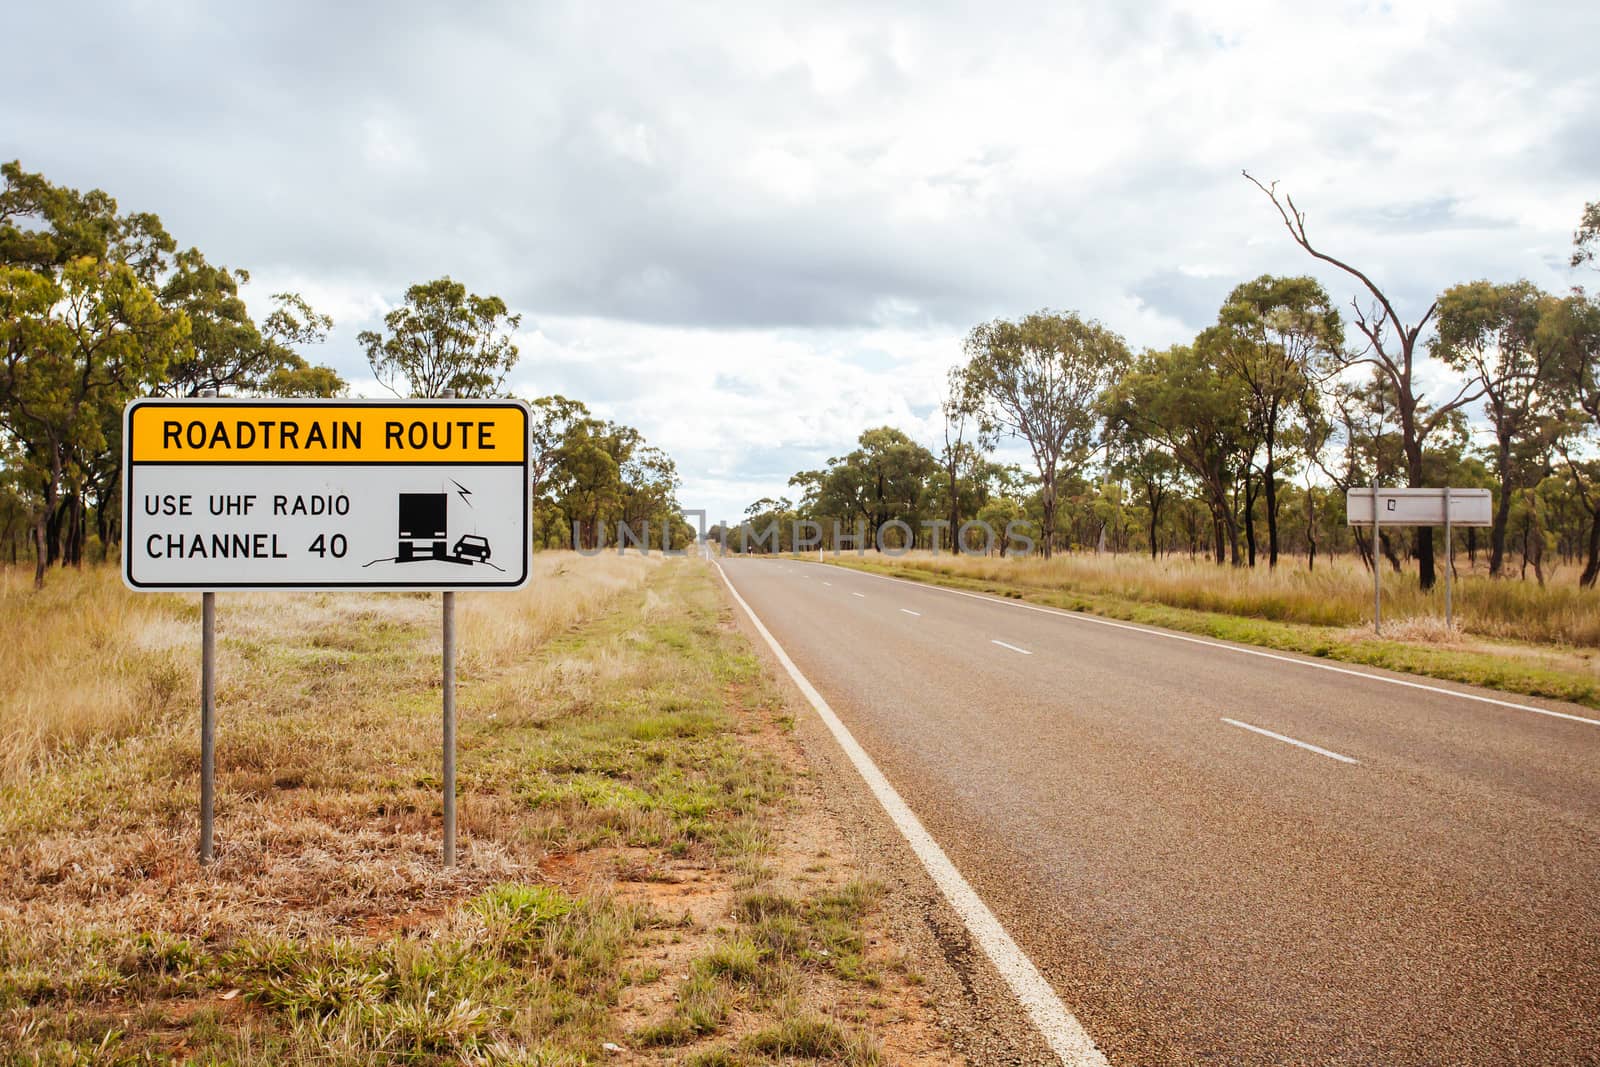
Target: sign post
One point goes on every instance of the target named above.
(447, 628)
(1416, 507)
(315, 494)
(1377, 556)
(1449, 563)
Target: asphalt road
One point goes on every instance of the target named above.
(1420, 885)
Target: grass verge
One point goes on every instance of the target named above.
(620, 897)
(1412, 646)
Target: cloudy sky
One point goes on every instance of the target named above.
(753, 230)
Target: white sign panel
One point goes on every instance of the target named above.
(1419, 507)
(261, 494)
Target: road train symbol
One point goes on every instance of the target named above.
(423, 529)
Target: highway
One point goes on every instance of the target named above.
(1216, 856)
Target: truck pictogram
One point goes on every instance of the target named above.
(423, 529)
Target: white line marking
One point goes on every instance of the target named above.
(908, 611)
(863, 596)
(1081, 617)
(827, 583)
(1013, 648)
(1291, 741)
(1060, 1029)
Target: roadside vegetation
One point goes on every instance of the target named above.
(1240, 445)
(626, 774)
(1519, 637)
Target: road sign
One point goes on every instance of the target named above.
(325, 494)
(1449, 508)
(1419, 507)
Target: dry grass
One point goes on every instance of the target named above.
(1337, 593)
(85, 662)
(607, 710)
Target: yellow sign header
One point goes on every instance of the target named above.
(247, 431)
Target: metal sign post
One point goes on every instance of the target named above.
(208, 721)
(1377, 581)
(448, 631)
(1449, 562)
(324, 494)
(208, 714)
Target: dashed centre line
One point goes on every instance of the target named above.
(863, 596)
(1291, 741)
(1014, 648)
(908, 611)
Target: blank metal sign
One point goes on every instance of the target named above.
(1418, 507)
(318, 494)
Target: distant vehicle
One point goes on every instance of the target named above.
(471, 546)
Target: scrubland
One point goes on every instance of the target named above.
(625, 780)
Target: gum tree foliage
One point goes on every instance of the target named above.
(75, 347)
(1179, 399)
(595, 474)
(443, 337)
(228, 352)
(962, 459)
(81, 332)
(1586, 241)
(1494, 334)
(102, 309)
(1039, 379)
(887, 478)
(1275, 336)
(1573, 328)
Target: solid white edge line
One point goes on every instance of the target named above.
(1169, 635)
(1014, 648)
(1058, 1026)
(1291, 741)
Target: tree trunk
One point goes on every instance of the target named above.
(1047, 497)
(41, 527)
(1415, 479)
(1591, 567)
(1270, 489)
(1363, 549)
(1502, 512)
(1311, 530)
(1389, 551)
(1155, 518)
(1250, 491)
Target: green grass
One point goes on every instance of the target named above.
(1555, 673)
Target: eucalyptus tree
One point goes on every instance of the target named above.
(1276, 336)
(1586, 241)
(1179, 399)
(1573, 328)
(1040, 379)
(227, 350)
(1492, 333)
(1391, 347)
(962, 456)
(73, 348)
(443, 337)
(1145, 463)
